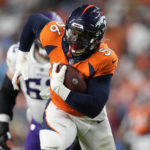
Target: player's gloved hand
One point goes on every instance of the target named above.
(4, 136)
(21, 68)
(45, 94)
(57, 80)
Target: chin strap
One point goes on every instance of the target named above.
(69, 54)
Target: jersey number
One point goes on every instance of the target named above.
(107, 52)
(55, 28)
(31, 85)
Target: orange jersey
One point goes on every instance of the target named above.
(102, 62)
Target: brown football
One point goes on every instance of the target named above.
(73, 79)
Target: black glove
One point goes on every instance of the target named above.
(4, 135)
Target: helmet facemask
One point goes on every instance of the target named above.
(40, 52)
(81, 42)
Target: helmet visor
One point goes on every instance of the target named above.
(78, 38)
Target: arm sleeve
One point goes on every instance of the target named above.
(7, 97)
(31, 31)
(92, 102)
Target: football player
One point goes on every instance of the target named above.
(38, 80)
(69, 113)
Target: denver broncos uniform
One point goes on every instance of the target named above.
(81, 114)
(102, 62)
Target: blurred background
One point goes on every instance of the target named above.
(128, 34)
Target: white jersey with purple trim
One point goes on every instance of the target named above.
(38, 80)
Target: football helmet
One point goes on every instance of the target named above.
(85, 29)
(40, 52)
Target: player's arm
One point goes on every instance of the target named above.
(92, 102)
(7, 102)
(31, 31)
(7, 96)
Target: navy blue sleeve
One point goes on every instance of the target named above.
(31, 31)
(7, 97)
(92, 102)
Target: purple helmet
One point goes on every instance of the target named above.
(52, 16)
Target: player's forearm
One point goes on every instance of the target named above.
(7, 97)
(31, 31)
(92, 102)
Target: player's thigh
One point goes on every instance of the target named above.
(58, 130)
(97, 137)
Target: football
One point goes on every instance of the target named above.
(73, 79)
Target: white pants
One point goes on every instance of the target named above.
(93, 134)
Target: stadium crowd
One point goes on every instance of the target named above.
(128, 34)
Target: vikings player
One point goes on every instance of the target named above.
(38, 80)
(71, 113)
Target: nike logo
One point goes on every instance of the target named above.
(100, 121)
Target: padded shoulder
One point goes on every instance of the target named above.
(104, 60)
(52, 31)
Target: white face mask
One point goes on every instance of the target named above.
(41, 56)
(43, 53)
